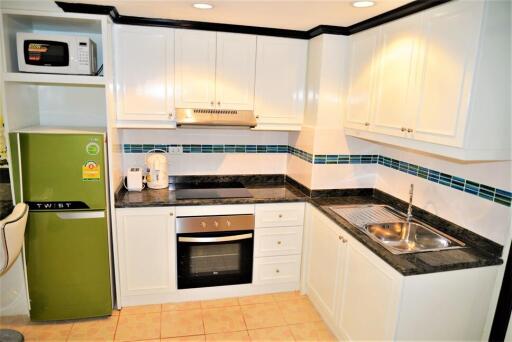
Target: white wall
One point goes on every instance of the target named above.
(212, 163)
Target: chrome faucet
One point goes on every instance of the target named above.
(409, 209)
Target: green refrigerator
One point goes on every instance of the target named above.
(61, 175)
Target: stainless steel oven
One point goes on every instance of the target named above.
(214, 250)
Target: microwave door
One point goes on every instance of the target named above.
(46, 53)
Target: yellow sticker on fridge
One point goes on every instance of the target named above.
(91, 171)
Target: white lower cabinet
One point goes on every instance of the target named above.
(274, 270)
(278, 244)
(278, 241)
(146, 249)
(361, 297)
(369, 296)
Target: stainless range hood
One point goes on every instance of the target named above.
(215, 117)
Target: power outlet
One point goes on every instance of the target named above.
(175, 149)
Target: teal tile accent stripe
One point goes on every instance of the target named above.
(489, 193)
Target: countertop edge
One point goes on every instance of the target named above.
(486, 259)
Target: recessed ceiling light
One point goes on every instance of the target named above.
(362, 4)
(203, 6)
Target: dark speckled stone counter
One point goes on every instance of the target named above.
(5, 209)
(5, 194)
(162, 198)
(479, 252)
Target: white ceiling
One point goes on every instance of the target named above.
(296, 15)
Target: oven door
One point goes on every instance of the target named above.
(215, 259)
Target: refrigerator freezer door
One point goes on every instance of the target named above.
(68, 265)
(63, 171)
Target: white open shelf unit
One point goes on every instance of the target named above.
(37, 99)
(20, 77)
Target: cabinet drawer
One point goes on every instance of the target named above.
(280, 215)
(281, 269)
(277, 241)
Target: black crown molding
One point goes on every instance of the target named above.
(397, 13)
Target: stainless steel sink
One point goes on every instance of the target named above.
(393, 231)
(410, 237)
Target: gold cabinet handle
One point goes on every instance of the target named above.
(277, 271)
(409, 130)
(403, 129)
(367, 124)
(278, 242)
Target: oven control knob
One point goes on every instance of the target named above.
(228, 223)
(216, 224)
(203, 224)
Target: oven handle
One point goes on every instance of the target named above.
(215, 239)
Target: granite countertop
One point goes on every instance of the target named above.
(478, 252)
(6, 208)
(261, 194)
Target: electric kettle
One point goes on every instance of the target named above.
(157, 176)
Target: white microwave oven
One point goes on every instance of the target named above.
(56, 54)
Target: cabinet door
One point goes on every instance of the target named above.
(370, 295)
(195, 69)
(326, 253)
(146, 251)
(234, 84)
(280, 81)
(449, 56)
(144, 72)
(362, 78)
(396, 92)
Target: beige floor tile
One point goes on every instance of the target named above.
(223, 320)
(197, 338)
(281, 334)
(258, 299)
(181, 306)
(97, 329)
(298, 311)
(229, 337)
(116, 312)
(219, 303)
(182, 323)
(138, 327)
(46, 331)
(141, 309)
(314, 332)
(262, 315)
(282, 296)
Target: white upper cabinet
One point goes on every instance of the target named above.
(395, 83)
(236, 55)
(446, 73)
(362, 78)
(144, 67)
(441, 83)
(280, 82)
(195, 69)
(215, 70)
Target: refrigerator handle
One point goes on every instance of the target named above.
(81, 215)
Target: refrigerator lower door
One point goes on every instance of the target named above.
(68, 265)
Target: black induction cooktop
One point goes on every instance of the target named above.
(209, 190)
